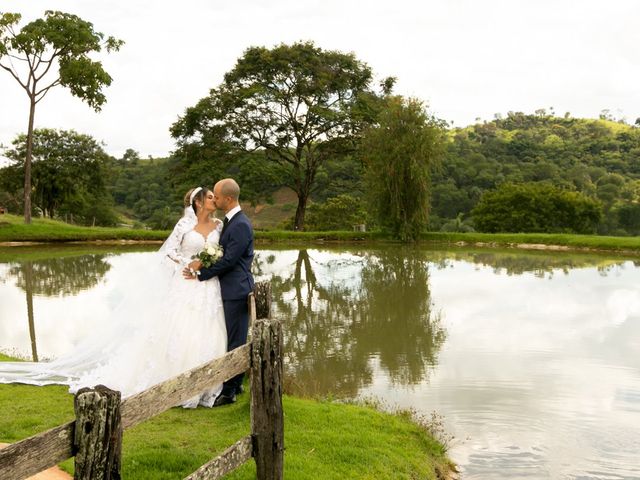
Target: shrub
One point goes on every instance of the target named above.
(337, 213)
(536, 207)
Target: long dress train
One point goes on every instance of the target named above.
(140, 348)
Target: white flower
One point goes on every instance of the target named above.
(210, 249)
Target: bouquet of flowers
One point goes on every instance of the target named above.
(209, 255)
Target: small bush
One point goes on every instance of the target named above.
(337, 213)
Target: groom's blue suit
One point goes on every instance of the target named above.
(236, 282)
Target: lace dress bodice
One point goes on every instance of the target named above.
(193, 242)
(182, 245)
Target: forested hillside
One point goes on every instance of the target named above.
(599, 158)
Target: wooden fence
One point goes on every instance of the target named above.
(94, 438)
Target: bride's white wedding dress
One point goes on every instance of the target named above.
(143, 347)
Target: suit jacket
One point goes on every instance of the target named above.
(234, 268)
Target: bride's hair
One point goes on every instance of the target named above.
(187, 197)
(200, 196)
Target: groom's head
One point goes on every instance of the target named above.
(226, 194)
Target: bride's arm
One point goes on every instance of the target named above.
(172, 246)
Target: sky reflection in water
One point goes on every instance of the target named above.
(532, 358)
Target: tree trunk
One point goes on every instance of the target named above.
(28, 288)
(298, 224)
(27, 162)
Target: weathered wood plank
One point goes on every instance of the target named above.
(39, 452)
(161, 397)
(252, 313)
(229, 460)
(98, 434)
(262, 294)
(267, 417)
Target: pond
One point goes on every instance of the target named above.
(530, 357)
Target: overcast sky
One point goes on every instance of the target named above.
(467, 59)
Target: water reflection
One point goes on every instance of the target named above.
(530, 356)
(53, 272)
(541, 263)
(395, 318)
(334, 328)
(56, 276)
(60, 276)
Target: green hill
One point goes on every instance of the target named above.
(600, 158)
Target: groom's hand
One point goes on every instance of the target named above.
(189, 274)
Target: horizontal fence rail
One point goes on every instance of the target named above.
(138, 408)
(39, 452)
(234, 456)
(44, 450)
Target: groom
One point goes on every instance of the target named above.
(234, 273)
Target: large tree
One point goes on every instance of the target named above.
(298, 103)
(399, 154)
(48, 52)
(70, 173)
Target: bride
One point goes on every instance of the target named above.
(141, 347)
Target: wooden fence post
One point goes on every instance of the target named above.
(98, 434)
(262, 294)
(267, 418)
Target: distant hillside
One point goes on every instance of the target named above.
(600, 158)
(269, 216)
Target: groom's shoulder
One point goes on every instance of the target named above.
(244, 217)
(242, 222)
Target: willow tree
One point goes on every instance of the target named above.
(297, 103)
(399, 154)
(48, 52)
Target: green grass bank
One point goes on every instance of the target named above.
(324, 440)
(12, 229)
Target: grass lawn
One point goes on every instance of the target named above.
(12, 229)
(324, 440)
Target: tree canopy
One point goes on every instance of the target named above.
(70, 175)
(399, 154)
(599, 158)
(299, 104)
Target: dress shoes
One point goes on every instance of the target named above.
(224, 400)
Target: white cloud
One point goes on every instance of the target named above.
(467, 59)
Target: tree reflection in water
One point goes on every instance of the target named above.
(542, 264)
(56, 277)
(334, 330)
(60, 276)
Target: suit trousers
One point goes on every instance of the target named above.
(236, 316)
